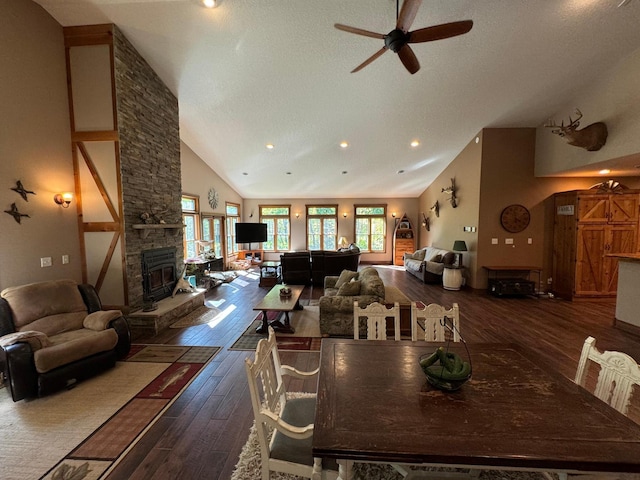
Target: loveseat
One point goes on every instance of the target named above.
(54, 334)
(428, 263)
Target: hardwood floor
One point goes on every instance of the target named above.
(202, 434)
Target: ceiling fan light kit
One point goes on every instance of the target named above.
(398, 39)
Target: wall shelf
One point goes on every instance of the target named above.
(146, 229)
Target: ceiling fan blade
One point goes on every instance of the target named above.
(369, 60)
(408, 14)
(438, 32)
(358, 31)
(409, 59)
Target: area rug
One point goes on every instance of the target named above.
(249, 465)
(82, 433)
(305, 323)
(199, 316)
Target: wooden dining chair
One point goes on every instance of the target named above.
(427, 322)
(284, 425)
(376, 315)
(619, 374)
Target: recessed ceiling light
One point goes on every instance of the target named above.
(344, 144)
(209, 3)
(415, 143)
(270, 146)
(245, 173)
(344, 172)
(288, 173)
(400, 172)
(604, 171)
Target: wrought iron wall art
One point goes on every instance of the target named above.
(17, 216)
(19, 188)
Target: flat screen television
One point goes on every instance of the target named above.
(251, 232)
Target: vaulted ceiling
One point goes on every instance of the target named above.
(255, 72)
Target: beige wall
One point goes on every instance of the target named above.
(198, 179)
(346, 226)
(35, 147)
(615, 100)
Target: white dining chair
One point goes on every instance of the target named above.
(427, 322)
(619, 374)
(376, 315)
(284, 425)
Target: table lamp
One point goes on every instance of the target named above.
(343, 242)
(459, 246)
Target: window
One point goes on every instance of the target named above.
(278, 227)
(212, 232)
(371, 227)
(233, 217)
(190, 217)
(322, 227)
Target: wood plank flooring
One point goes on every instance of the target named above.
(201, 435)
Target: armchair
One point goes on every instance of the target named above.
(54, 334)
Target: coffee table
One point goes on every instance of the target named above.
(274, 302)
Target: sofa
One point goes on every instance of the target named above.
(365, 287)
(305, 268)
(428, 263)
(54, 334)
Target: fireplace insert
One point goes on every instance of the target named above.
(158, 273)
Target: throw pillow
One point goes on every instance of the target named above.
(437, 258)
(345, 277)
(349, 289)
(419, 254)
(449, 258)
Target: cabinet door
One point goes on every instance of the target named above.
(623, 208)
(593, 208)
(619, 239)
(589, 259)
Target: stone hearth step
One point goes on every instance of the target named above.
(169, 311)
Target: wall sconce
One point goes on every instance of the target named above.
(393, 214)
(63, 199)
(297, 214)
(344, 214)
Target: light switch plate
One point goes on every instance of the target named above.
(508, 241)
(45, 262)
(494, 241)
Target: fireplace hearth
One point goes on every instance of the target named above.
(158, 274)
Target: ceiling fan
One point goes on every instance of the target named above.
(398, 39)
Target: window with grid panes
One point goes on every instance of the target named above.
(322, 227)
(233, 217)
(212, 232)
(278, 220)
(371, 227)
(190, 218)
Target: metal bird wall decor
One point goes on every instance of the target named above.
(22, 191)
(17, 216)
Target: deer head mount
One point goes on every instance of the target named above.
(451, 191)
(592, 137)
(426, 222)
(435, 208)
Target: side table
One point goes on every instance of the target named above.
(269, 274)
(452, 277)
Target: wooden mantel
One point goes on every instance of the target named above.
(145, 229)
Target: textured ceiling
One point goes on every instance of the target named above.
(252, 72)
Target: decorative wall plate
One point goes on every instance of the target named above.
(213, 198)
(515, 218)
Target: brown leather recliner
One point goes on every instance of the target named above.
(54, 334)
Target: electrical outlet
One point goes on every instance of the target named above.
(45, 262)
(65, 259)
(494, 241)
(529, 240)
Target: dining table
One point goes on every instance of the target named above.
(374, 404)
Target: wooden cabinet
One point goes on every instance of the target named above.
(587, 228)
(404, 239)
